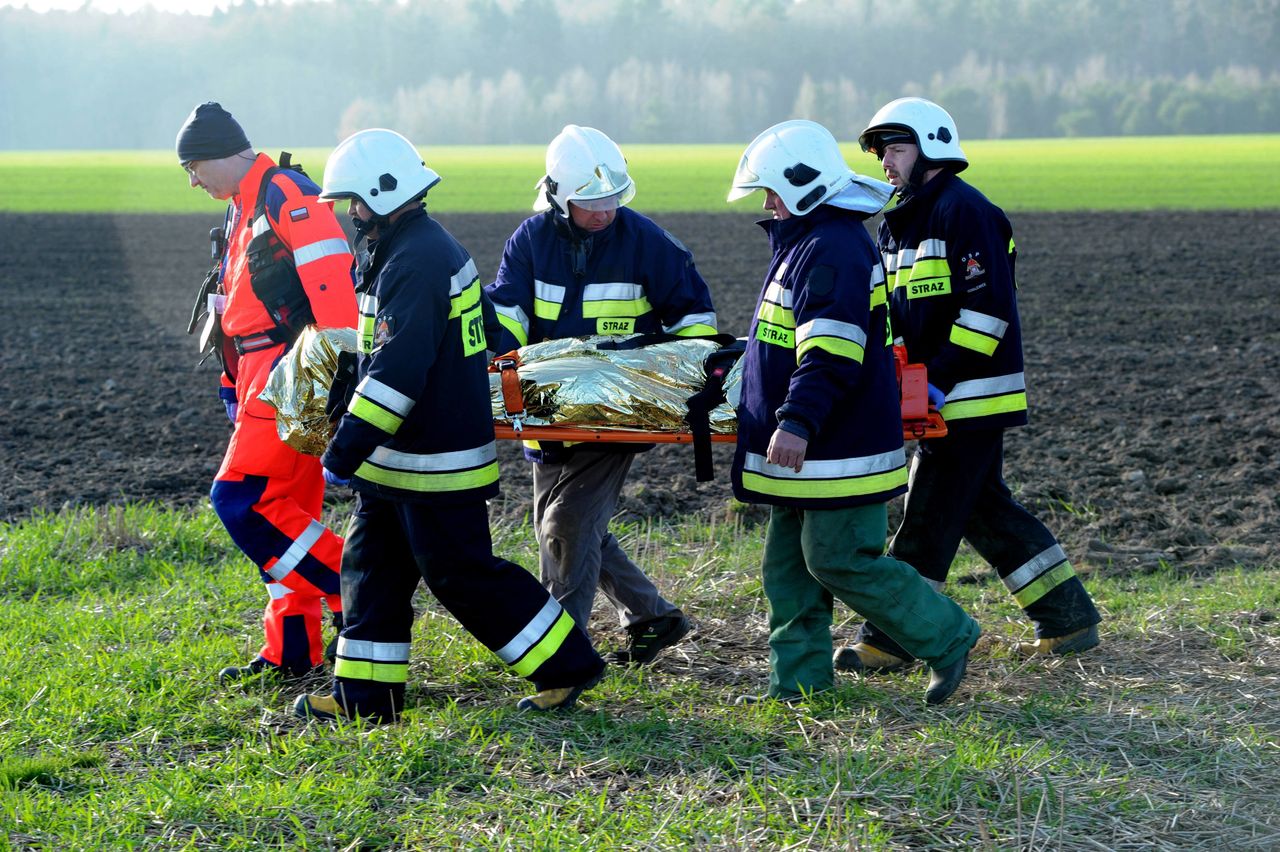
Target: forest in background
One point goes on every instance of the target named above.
(516, 71)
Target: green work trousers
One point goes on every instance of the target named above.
(812, 556)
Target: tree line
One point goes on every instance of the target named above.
(516, 71)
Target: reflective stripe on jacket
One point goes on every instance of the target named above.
(819, 358)
(949, 257)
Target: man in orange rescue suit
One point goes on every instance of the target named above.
(949, 257)
(416, 443)
(585, 265)
(286, 264)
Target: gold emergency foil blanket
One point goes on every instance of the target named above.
(570, 382)
(298, 387)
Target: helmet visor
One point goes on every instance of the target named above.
(745, 181)
(603, 183)
(608, 202)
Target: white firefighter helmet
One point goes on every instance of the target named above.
(379, 167)
(919, 121)
(586, 167)
(800, 161)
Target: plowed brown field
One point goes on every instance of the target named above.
(1153, 361)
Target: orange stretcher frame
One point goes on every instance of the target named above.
(920, 421)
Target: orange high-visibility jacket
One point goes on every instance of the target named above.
(309, 229)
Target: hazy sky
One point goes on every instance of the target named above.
(199, 7)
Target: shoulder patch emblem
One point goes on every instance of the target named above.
(972, 268)
(383, 329)
(299, 214)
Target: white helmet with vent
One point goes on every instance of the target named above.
(379, 167)
(919, 121)
(801, 162)
(586, 167)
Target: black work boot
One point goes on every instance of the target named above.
(257, 666)
(647, 639)
(944, 682)
(260, 667)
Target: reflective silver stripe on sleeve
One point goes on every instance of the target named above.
(368, 304)
(532, 632)
(320, 248)
(932, 248)
(464, 278)
(285, 564)
(514, 312)
(877, 276)
(691, 319)
(1038, 564)
(994, 386)
(278, 590)
(378, 652)
(435, 462)
(831, 328)
(548, 292)
(778, 294)
(385, 395)
(617, 291)
(984, 323)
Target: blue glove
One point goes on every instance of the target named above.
(937, 398)
(333, 478)
(232, 408)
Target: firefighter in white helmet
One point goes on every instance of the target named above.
(949, 256)
(819, 423)
(416, 443)
(589, 265)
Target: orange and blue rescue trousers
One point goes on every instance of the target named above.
(269, 497)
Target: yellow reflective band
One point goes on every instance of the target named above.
(777, 336)
(616, 308)
(834, 345)
(466, 300)
(366, 333)
(966, 408)
(366, 670)
(777, 315)
(542, 309)
(473, 339)
(1028, 595)
(615, 325)
(821, 488)
(516, 329)
(375, 415)
(696, 331)
(429, 482)
(549, 644)
(973, 340)
(879, 295)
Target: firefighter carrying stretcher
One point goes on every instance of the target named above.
(416, 443)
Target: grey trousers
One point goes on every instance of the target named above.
(572, 505)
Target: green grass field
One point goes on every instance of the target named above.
(114, 734)
(1193, 173)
